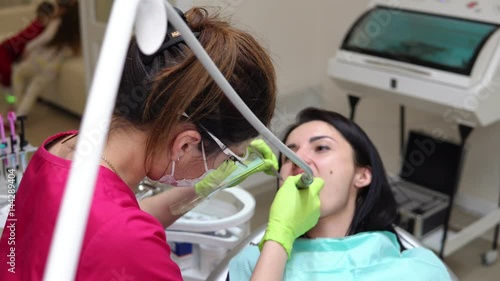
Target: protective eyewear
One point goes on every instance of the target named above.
(230, 154)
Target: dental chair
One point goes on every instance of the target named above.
(221, 272)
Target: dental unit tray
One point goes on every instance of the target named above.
(205, 224)
(212, 228)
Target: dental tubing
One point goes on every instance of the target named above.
(195, 46)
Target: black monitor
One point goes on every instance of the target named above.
(432, 163)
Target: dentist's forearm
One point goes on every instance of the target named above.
(159, 206)
(271, 263)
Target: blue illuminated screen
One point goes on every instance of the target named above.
(440, 42)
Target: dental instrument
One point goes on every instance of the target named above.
(22, 135)
(22, 153)
(11, 116)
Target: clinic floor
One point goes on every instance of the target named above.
(466, 262)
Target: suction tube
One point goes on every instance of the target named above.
(308, 177)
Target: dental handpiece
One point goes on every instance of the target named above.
(11, 116)
(305, 181)
(22, 135)
(308, 177)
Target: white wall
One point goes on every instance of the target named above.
(12, 3)
(303, 35)
(292, 42)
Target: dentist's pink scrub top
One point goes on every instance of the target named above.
(121, 243)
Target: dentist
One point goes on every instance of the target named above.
(172, 124)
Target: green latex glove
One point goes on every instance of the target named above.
(270, 160)
(293, 212)
(213, 180)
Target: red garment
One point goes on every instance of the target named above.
(12, 49)
(121, 241)
(5, 68)
(15, 45)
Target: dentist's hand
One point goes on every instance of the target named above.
(270, 160)
(293, 212)
(212, 181)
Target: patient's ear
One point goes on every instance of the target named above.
(363, 177)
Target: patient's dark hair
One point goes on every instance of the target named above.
(45, 10)
(376, 208)
(68, 32)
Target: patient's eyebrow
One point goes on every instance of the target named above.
(313, 139)
(293, 146)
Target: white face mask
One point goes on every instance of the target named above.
(170, 179)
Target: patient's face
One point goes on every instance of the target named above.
(330, 157)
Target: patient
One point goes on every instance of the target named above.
(354, 238)
(45, 55)
(13, 47)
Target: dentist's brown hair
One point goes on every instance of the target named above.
(153, 96)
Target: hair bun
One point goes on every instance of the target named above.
(200, 20)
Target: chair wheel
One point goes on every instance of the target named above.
(489, 258)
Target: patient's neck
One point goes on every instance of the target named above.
(335, 225)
